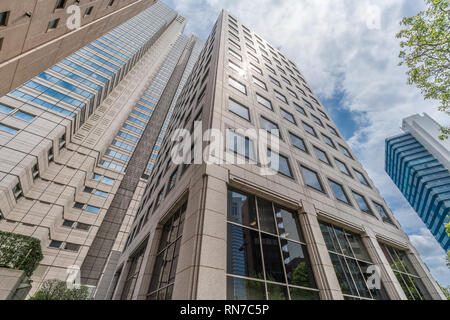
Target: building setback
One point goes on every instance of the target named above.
(68, 135)
(224, 231)
(419, 163)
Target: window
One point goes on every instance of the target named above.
(269, 126)
(275, 81)
(55, 244)
(280, 97)
(308, 104)
(237, 85)
(160, 197)
(322, 156)
(328, 141)
(5, 109)
(111, 2)
(163, 275)
(234, 54)
(88, 11)
(78, 205)
(101, 193)
(4, 18)
(333, 130)
(384, 216)
(350, 260)
(263, 101)
(255, 68)
(362, 203)
(236, 68)
(35, 171)
(238, 109)
(241, 145)
(62, 141)
(288, 116)
(265, 243)
(108, 181)
(312, 179)
(279, 163)
(361, 178)
(133, 271)
(309, 129)
(259, 83)
(317, 120)
(17, 191)
(338, 191)
(292, 93)
(342, 167)
(234, 44)
(297, 142)
(60, 4)
(345, 151)
(92, 209)
(53, 24)
(172, 181)
(1, 43)
(405, 273)
(300, 109)
(72, 247)
(8, 129)
(23, 116)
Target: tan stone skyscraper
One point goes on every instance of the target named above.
(317, 229)
(76, 141)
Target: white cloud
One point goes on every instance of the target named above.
(331, 43)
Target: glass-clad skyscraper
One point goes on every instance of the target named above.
(418, 163)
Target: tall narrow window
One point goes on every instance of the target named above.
(164, 270)
(351, 261)
(4, 18)
(133, 272)
(60, 4)
(267, 257)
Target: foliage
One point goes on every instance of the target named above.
(58, 290)
(447, 229)
(19, 252)
(425, 42)
(446, 292)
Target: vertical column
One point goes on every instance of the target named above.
(121, 282)
(201, 271)
(146, 271)
(388, 278)
(326, 279)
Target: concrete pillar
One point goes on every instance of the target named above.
(388, 278)
(326, 278)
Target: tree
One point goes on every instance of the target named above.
(446, 292)
(425, 49)
(58, 290)
(447, 229)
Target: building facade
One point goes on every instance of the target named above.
(419, 163)
(75, 148)
(223, 230)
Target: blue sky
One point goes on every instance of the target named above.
(348, 52)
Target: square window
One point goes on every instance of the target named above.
(328, 141)
(53, 24)
(55, 244)
(300, 109)
(270, 127)
(238, 109)
(280, 97)
(342, 167)
(237, 85)
(309, 129)
(78, 205)
(361, 178)
(297, 142)
(384, 216)
(338, 191)
(317, 120)
(234, 54)
(362, 203)
(279, 163)
(72, 247)
(312, 179)
(236, 68)
(259, 83)
(333, 130)
(4, 18)
(263, 101)
(288, 116)
(68, 223)
(322, 156)
(275, 81)
(345, 151)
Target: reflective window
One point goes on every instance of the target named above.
(269, 126)
(338, 191)
(266, 103)
(163, 275)
(280, 97)
(259, 83)
(309, 129)
(345, 151)
(361, 178)
(269, 256)
(238, 109)
(298, 142)
(92, 209)
(322, 156)
(279, 163)
(351, 262)
(300, 109)
(384, 216)
(362, 203)
(237, 85)
(8, 129)
(241, 145)
(5, 109)
(287, 115)
(342, 167)
(405, 273)
(328, 141)
(311, 179)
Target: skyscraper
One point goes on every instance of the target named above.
(316, 229)
(36, 34)
(419, 163)
(76, 142)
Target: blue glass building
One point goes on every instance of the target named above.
(423, 180)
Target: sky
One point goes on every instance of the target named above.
(348, 52)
